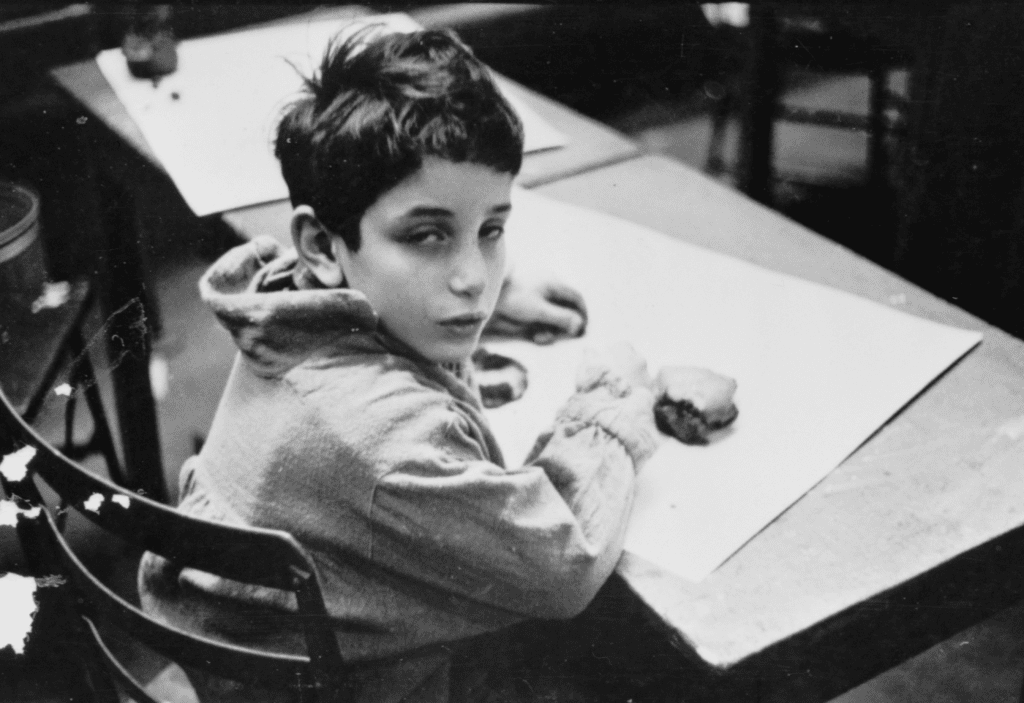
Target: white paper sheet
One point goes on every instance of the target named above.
(819, 370)
(211, 122)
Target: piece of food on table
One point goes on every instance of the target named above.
(500, 379)
(693, 402)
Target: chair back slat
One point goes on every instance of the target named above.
(222, 659)
(264, 557)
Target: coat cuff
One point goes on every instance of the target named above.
(624, 412)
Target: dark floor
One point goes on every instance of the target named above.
(193, 356)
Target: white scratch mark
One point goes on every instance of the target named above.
(1012, 429)
(17, 593)
(735, 14)
(53, 296)
(63, 389)
(159, 376)
(14, 466)
(898, 299)
(123, 501)
(9, 513)
(50, 581)
(93, 502)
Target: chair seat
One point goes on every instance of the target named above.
(31, 345)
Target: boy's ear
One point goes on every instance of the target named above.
(317, 247)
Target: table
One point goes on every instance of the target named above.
(917, 535)
(591, 144)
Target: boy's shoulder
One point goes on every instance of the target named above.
(386, 404)
(377, 383)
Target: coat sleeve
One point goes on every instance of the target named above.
(538, 540)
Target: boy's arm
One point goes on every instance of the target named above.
(537, 306)
(539, 540)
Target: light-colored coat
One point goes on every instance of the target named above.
(382, 464)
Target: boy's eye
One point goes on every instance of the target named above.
(427, 235)
(492, 231)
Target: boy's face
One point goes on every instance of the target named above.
(432, 256)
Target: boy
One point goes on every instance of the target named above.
(350, 418)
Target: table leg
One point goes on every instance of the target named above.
(128, 330)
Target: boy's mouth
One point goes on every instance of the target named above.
(465, 325)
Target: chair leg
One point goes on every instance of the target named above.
(876, 161)
(761, 90)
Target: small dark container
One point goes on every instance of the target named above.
(149, 44)
(22, 264)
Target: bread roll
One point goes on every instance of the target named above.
(692, 403)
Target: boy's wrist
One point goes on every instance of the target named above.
(593, 378)
(622, 410)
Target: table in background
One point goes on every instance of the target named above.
(914, 537)
(591, 144)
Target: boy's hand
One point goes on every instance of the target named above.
(618, 360)
(613, 392)
(539, 307)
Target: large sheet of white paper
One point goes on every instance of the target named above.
(211, 122)
(819, 370)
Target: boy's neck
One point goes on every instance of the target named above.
(303, 279)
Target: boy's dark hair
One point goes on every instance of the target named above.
(376, 107)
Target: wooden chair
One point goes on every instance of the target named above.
(781, 42)
(269, 558)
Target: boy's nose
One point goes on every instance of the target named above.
(469, 275)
